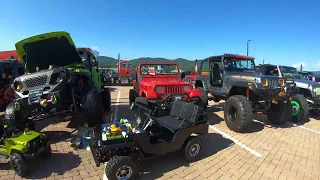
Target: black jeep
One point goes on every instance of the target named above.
(233, 78)
(306, 91)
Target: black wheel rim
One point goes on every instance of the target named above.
(233, 113)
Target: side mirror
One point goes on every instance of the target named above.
(183, 75)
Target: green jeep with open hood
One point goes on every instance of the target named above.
(60, 80)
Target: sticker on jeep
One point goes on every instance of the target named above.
(243, 77)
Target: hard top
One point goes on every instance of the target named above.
(226, 55)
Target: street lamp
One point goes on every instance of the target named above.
(248, 47)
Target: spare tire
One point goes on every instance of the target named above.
(238, 113)
(91, 105)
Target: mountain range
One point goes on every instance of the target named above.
(109, 62)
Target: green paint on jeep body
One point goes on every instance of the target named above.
(18, 142)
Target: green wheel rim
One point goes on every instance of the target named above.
(295, 108)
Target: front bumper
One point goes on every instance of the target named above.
(279, 94)
(49, 100)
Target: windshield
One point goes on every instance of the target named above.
(239, 64)
(152, 69)
(290, 72)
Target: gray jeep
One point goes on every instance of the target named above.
(233, 78)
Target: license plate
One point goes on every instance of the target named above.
(35, 93)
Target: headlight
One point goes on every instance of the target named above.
(186, 88)
(281, 82)
(159, 89)
(264, 82)
(18, 85)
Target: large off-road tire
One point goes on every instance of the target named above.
(193, 149)
(106, 99)
(13, 117)
(91, 105)
(238, 113)
(204, 97)
(280, 113)
(121, 167)
(47, 151)
(132, 96)
(300, 108)
(18, 164)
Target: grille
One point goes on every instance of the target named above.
(273, 83)
(173, 89)
(36, 81)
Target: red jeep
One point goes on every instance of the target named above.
(153, 81)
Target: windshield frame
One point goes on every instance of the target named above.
(166, 65)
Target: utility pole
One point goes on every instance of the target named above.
(263, 61)
(248, 47)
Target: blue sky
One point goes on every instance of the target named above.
(282, 32)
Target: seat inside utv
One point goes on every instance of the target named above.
(182, 115)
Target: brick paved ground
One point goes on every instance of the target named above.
(267, 152)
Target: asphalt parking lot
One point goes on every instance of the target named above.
(290, 151)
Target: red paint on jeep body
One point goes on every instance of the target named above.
(167, 83)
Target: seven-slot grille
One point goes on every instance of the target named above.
(36, 81)
(273, 83)
(173, 89)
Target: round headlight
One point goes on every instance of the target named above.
(186, 88)
(159, 89)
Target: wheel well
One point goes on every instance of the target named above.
(143, 94)
(235, 90)
(198, 83)
(304, 92)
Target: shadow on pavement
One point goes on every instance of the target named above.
(58, 163)
(57, 136)
(157, 167)
(111, 88)
(264, 120)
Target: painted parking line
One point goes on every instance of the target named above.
(300, 126)
(115, 118)
(236, 141)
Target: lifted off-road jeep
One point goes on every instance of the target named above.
(155, 80)
(60, 79)
(233, 78)
(306, 91)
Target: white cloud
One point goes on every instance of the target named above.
(297, 65)
(317, 65)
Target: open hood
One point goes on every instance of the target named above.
(55, 48)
